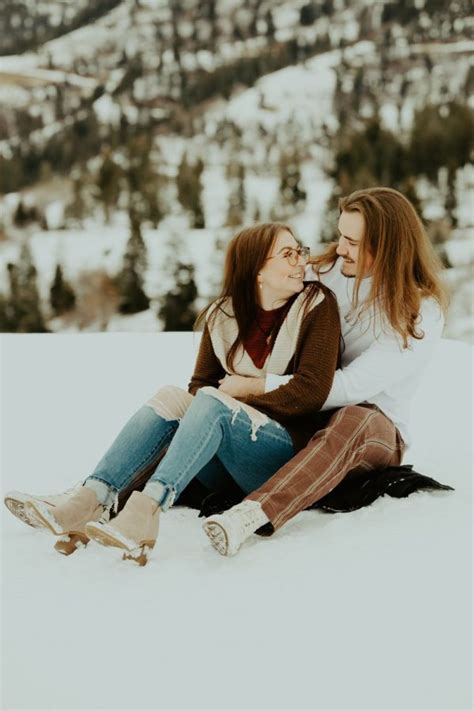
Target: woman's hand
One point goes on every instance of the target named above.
(241, 386)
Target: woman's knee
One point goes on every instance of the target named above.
(170, 402)
(207, 402)
(208, 407)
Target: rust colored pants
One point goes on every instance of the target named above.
(357, 437)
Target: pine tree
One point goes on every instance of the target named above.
(358, 89)
(408, 189)
(441, 137)
(150, 194)
(178, 309)
(327, 8)
(61, 294)
(328, 231)
(59, 103)
(24, 302)
(308, 14)
(370, 157)
(237, 201)
(290, 180)
(77, 207)
(190, 190)
(108, 182)
(451, 203)
(176, 41)
(143, 182)
(130, 280)
(270, 25)
(24, 215)
(20, 217)
(6, 322)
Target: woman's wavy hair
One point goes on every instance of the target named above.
(246, 254)
(406, 268)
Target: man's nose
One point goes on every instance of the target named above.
(341, 250)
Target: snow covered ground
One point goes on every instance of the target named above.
(368, 610)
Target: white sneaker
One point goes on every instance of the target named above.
(227, 531)
(15, 502)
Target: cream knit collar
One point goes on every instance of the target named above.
(224, 333)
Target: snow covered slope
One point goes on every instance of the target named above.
(368, 610)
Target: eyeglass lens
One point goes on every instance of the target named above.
(294, 254)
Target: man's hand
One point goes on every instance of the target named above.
(240, 386)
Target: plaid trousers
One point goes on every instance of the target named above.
(356, 437)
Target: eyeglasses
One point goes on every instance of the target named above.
(293, 255)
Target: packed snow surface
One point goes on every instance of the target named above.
(367, 610)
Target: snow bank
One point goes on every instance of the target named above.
(368, 610)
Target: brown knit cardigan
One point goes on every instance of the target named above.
(312, 362)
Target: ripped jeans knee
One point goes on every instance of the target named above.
(170, 402)
(249, 444)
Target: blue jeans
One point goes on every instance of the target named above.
(211, 442)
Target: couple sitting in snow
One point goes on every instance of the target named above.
(304, 376)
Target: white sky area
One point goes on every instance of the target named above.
(365, 610)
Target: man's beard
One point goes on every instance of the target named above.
(348, 276)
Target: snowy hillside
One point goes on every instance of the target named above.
(367, 610)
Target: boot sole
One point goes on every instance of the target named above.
(17, 508)
(137, 554)
(36, 514)
(70, 541)
(100, 535)
(218, 537)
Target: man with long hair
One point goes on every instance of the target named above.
(385, 275)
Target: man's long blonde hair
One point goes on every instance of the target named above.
(405, 269)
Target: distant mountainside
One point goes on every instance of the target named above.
(185, 120)
(26, 25)
(163, 62)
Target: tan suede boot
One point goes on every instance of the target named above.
(135, 529)
(15, 502)
(68, 519)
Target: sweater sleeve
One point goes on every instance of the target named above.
(385, 362)
(316, 360)
(208, 369)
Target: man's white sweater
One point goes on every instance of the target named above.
(375, 366)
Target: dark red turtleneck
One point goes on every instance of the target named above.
(258, 344)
